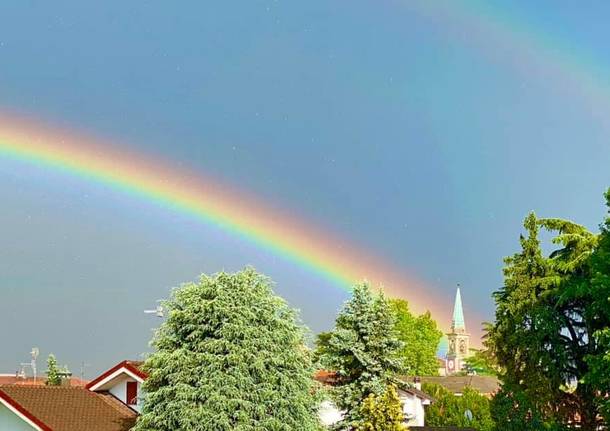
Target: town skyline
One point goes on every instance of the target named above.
(421, 133)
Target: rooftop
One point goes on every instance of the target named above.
(58, 408)
(484, 384)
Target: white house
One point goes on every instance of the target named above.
(123, 381)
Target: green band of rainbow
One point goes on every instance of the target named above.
(155, 181)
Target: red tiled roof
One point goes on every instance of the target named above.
(57, 408)
(326, 377)
(40, 381)
(133, 366)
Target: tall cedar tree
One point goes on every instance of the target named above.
(382, 412)
(551, 319)
(420, 337)
(230, 356)
(363, 349)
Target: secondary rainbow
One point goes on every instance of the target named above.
(201, 197)
(541, 56)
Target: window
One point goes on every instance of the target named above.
(132, 393)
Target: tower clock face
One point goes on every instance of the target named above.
(450, 364)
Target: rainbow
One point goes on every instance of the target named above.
(506, 38)
(202, 198)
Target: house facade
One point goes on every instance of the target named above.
(124, 382)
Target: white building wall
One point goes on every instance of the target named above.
(412, 408)
(119, 390)
(9, 421)
(329, 414)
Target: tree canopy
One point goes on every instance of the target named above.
(230, 356)
(552, 321)
(382, 412)
(53, 371)
(482, 362)
(363, 350)
(471, 409)
(420, 337)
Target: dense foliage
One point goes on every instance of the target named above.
(420, 337)
(513, 410)
(362, 349)
(551, 335)
(382, 412)
(230, 356)
(471, 409)
(53, 371)
(482, 362)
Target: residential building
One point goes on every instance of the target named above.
(108, 403)
(412, 399)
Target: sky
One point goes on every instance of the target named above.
(421, 131)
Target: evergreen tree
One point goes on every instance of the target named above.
(230, 356)
(552, 324)
(382, 412)
(363, 349)
(420, 337)
(598, 375)
(53, 371)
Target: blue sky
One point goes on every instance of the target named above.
(402, 131)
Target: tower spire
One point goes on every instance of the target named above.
(457, 323)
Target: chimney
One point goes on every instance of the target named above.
(417, 383)
(66, 378)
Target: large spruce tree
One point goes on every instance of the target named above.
(230, 356)
(364, 351)
(551, 331)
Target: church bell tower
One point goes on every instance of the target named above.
(459, 339)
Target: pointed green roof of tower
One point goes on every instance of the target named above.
(457, 323)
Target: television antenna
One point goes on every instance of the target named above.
(159, 311)
(32, 364)
(83, 365)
